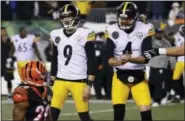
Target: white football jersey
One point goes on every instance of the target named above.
(135, 38)
(179, 40)
(72, 60)
(24, 47)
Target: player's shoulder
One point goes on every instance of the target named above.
(87, 33)
(55, 31)
(111, 27)
(20, 94)
(84, 30)
(144, 25)
(30, 35)
(146, 28)
(112, 31)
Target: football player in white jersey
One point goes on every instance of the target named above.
(126, 42)
(172, 51)
(179, 41)
(73, 65)
(24, 48)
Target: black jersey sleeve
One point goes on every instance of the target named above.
(91, 59)
(54, 62)
(110, 46)
(146, 45)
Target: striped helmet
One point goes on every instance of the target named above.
(127, 15)
(35, 73)
(70, 16)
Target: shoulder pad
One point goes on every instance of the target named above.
(91, 36)
(151, 31)
(20, 95)
(106, 34)
(162, 25)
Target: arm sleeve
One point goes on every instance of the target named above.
(146, 45)
(110, 48)
(54, 61)
(20, 95)
(91, 59)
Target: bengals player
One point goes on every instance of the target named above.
(31, 98)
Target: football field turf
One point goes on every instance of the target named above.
(102, 110)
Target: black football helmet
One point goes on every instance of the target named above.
(127, 15)
(70, 16)
(182, 30)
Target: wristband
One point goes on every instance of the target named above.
(89, 83)
(162, 51)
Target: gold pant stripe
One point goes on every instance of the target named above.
(179, 69)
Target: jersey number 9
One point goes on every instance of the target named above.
(67, 53)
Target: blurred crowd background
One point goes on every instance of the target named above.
(40, 17)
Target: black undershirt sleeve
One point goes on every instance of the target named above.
(146, 45)
(54, 61)
(91, 59)
(110, 48)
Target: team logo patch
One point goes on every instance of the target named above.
(115, 35)
(131, 79)
(57, 40)
(139, 35)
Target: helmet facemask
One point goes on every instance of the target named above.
(125, 23)
(42, 80)
(69, 22)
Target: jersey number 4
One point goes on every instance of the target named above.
(67, 53)
(128, 49)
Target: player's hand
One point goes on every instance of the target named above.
(87, 93)
(52, 80)
(125, 58)
(151, 53)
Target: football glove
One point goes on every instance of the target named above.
(151, 53)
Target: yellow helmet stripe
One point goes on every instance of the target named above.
(66, 6)
(125, 6)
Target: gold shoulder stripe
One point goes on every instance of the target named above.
(106, 34)
(151, 33)
(91, 36)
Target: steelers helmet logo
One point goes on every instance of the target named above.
(130, 79)
(115, 35)
(57, 40)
